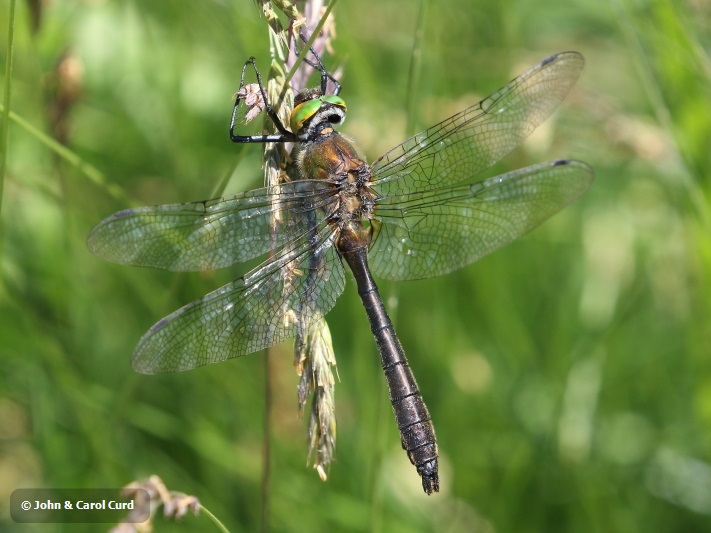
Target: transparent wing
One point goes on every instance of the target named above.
(476, 138)
(429, 233)
(210, 234)
(270, 304)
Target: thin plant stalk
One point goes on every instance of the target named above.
(7, 92)
(313, 349)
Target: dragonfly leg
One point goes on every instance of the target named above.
(318, 65)
(286, 135)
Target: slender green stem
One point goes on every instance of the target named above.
(6, 98)
(653, 88)
(90, 171)
(413, 76)
(305, 50)
(266, 443)
(219, 189)
(214, 519)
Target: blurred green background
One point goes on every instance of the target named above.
(568, 375)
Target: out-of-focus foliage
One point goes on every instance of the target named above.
(568, 375)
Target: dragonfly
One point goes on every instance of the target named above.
(414, 213)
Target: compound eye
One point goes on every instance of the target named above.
(303, 112)
(335, 100)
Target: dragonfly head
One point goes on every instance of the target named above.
(313, 110)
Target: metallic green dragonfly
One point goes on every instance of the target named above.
(409, 215)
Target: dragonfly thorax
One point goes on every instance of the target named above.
(333, 158)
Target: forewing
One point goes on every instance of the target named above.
(430, 233)
(272, 303)
(210, 234)
(476, 138)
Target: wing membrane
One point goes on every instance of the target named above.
(430, 233)
(476, 138)
(272, 303)
(210, 234)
